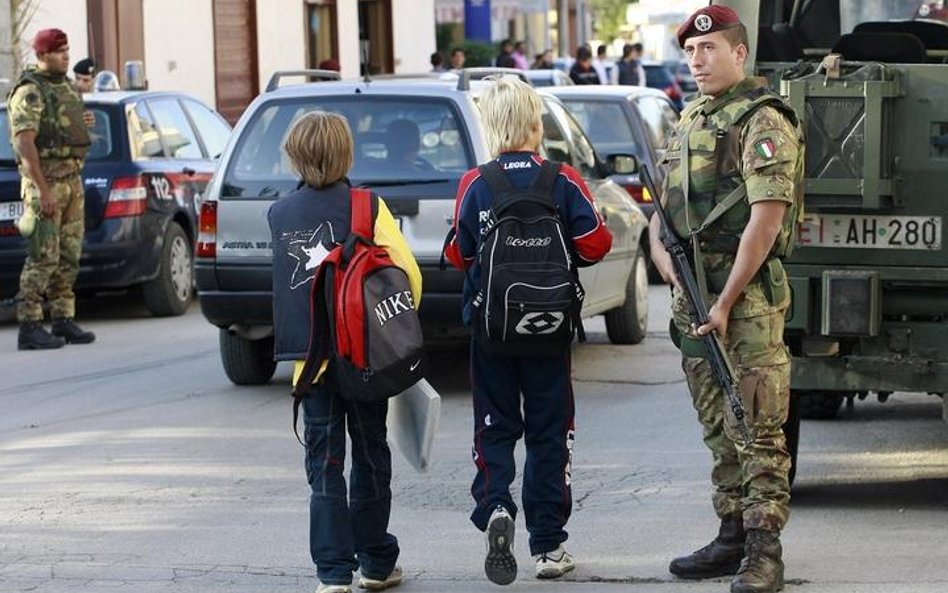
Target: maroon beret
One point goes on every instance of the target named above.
(48, 40)
(707, 20)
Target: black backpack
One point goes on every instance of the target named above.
(529, 299)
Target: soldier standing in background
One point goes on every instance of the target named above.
(51, 137)
(733, 187)
(84, 71)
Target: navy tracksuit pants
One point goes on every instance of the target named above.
(546, 423)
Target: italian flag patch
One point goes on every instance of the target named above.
(766, 149)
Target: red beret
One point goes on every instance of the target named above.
(707, 20)
(48, 40)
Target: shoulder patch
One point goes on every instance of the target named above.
(765, 148)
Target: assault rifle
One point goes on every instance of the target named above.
(721, 366)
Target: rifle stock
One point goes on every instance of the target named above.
(720, 363)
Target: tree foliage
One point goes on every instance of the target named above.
(608, 17)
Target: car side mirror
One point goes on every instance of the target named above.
(622, 164)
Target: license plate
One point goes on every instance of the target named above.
(10, 210)
(870, 232)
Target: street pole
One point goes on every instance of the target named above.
(562, 26)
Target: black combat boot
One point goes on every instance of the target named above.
(719, 558)
(762, 568)
(72, 333)
(33, 336)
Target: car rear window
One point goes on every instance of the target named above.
(102, 148)
(657, 76)
(384, 131)
(605, 123)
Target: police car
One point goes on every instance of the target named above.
(414, 138)
(151, 157)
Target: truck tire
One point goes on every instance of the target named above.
(791, 430)
(247, 362)
(628, 323)
(171, 291)
(820, 405)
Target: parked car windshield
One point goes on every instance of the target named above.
(658, 76)
(102, 147)
(606, 125)
(402, 139)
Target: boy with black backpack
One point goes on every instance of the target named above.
(326, 224)
(522, 226)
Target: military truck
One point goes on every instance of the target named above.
(869, 275)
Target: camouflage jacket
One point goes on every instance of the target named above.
(49, 105)
(743, 147)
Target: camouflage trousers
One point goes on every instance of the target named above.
(52, 252)
(750, 480)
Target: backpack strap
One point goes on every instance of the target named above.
(495, 177)
(546, 178)
(505, 194)
(364, 210)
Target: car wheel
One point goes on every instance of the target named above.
(171, 291)
(628, 323)
(820, 405)
(247, 362)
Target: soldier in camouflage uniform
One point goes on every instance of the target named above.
(733, 190)
(51, 137)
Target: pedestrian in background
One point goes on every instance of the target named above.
(543, 61)
(627, 67)
(458, 58)
(520, 56)
(347, 533)
(505, 58)
(638, 50)
(502, 385)
(49, 131)
(602, 68)
(437, 62)
(738, 207)
(582, 71)
(84, 73)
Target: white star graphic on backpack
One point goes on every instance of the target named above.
(309, 254)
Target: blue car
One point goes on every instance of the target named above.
(151, 157)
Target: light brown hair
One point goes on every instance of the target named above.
(319, 146)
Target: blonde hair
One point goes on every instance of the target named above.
(511, 112)
(319, 146)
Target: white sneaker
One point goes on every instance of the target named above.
(392, 580)
(500, 566)
(554, 564)
(324, 588)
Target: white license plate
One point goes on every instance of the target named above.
(10, 210)
(870, 232)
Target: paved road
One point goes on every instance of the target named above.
(132, 465)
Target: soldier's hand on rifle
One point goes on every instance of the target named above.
(47, 204)
(717, 321)
(661, 259)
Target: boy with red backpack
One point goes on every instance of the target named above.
(522, 226)
(309, 226)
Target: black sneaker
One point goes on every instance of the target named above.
(33, 336)
(73, 334)
(500, 564)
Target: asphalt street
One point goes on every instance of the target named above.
(133, 465)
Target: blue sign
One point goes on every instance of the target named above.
(477, 20)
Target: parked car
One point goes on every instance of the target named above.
(657, 76)
(683, 76)
(625, 120)
(151, 157)
(550, 77)
(234, 254)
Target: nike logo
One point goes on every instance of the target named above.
(414, 366)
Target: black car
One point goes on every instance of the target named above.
(152, 154)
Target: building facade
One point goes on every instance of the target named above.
(224, 51)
